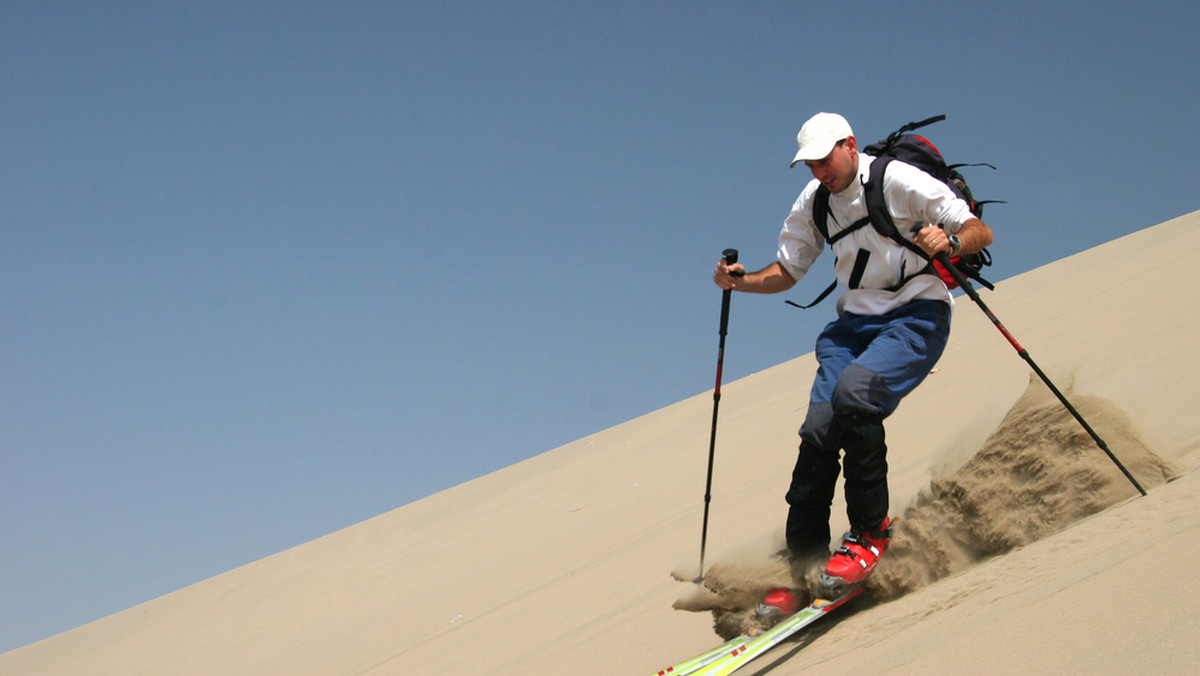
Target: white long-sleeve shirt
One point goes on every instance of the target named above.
(914, 199)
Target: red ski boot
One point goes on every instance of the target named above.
(856, 558)
(776, 605)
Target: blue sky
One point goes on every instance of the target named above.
(269, 269)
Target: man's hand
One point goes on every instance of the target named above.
(933, 240)
(727, 276)
(974, 236)
(771, 279)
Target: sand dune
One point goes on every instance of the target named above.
(1022, 549)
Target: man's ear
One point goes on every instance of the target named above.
(852, 144)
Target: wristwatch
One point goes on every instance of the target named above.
(955, 245)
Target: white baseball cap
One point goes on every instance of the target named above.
(819, 135)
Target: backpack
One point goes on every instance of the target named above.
(919, 152)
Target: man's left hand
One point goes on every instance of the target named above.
(933, 240)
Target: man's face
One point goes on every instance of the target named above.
(838, 169)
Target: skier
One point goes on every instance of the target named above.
(893, 324)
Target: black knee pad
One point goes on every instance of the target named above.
(859, 392)
(818, 426)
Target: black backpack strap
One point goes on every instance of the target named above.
(821, 211)
(913, 126)
(821, 218)
(824, 294)
(878, 212)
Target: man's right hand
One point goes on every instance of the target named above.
(727, 276)
(771, 279)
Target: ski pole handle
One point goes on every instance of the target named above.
(731, 257)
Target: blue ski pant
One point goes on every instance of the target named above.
(868, 363)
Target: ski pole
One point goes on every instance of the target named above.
(730, 256)
(1024, 354)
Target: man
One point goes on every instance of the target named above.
(892, 326)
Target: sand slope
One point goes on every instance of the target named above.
(563, 562)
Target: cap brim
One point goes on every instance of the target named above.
(813, 153)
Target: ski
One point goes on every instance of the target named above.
(743, 649)
(703, 660)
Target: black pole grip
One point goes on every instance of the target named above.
(731, 257)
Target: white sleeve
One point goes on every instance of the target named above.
(914, 196)
(800, 243)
